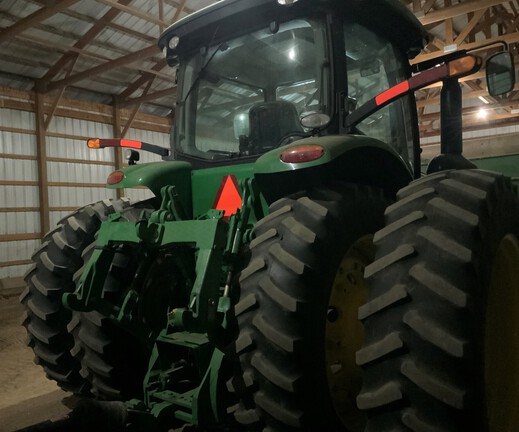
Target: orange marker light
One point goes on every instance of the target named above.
(461, 66)
(94, 143)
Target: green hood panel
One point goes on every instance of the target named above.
(354, 158)
(154, 175)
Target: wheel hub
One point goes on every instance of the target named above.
(344, 332)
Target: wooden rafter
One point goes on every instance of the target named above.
(34, 18)
(121, 61)
(462, 8)
(88, 37)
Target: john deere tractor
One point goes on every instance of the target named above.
(294, 270)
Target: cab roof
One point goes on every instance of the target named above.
(218, 22)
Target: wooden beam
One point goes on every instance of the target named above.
(150, 97)
(34, 18)
(421, 103)
(180, 8)
(80, 161)
(15, 263)
(470, 26)
(135, 111)
(457, 10)
(508, 38)
(41, 155)
(161, 64)
(135, 12)
(58, 97)
(19, 209)
(105, 67)
(88, 37)
(76, 184)
(20, 237)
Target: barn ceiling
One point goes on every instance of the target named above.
(105, 50)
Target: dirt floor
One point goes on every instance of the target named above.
(27, 397)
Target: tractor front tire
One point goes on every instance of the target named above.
(52, 274)
(297, 311)
(441, 350)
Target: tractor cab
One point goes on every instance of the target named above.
(254, 75)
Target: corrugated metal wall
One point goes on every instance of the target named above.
(76, 177)
(19, 199)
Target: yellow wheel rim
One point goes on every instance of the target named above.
(344, 333)
(502, 339)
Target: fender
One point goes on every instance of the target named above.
(351, 158)
(155, 175)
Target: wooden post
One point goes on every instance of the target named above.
(41, 158)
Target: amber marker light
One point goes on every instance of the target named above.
(463, 66)
(115, 178)
(94, 143)
(302, 153)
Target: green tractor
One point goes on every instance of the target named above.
(294, 270)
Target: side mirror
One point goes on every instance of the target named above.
(500, 73)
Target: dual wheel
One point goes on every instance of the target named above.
(439, 302)
(437, 296)
(83, 352)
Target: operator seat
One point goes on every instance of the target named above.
(269, 122)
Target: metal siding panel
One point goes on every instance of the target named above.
(17, 250)
(14, 271)
(19, 222)
(77, 196)
(19, 196)
(77, 173)
(17, 119)
(17, 143)
(18, 170)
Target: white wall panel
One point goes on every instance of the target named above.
(18, 170)
(16, 251)
(17, 143)
(76, 149)
(77, 173)
(14, 271)
(70, 143)
(19, 196)
(17, 119)
(81, 128)
(19, 223)
(77, 196)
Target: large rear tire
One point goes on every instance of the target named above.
(441, 348)
(299, 295)
(45, 318)
(113, 360)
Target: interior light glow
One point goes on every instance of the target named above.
(292, 54)
(482, 113)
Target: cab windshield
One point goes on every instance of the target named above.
(243, 97)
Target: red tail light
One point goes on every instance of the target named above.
(302, 153)
(115, 178)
